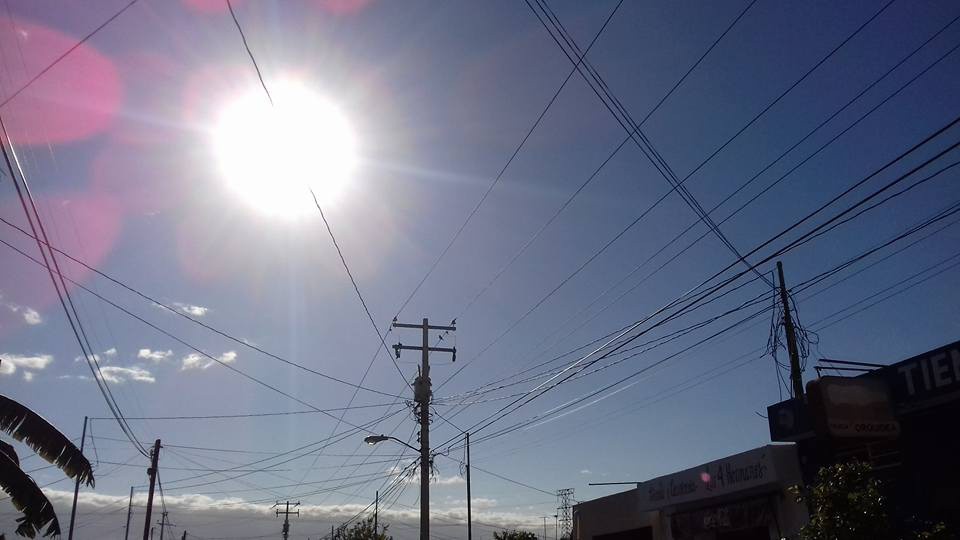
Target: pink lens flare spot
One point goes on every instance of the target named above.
(73, 101)
(705, 477)
(342, 7)
(208, 7)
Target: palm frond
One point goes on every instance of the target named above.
(27, 497)
(9, 451)
(30, 428)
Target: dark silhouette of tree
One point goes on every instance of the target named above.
(31, 429)
(514, 535)
(846, 503)
(364, 530)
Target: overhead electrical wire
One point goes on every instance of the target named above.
(66, 53)
(699, 296)
(171, 309)
(526, 245)
(198, 350)
(510, 160)
(32, 214)
(647, 260)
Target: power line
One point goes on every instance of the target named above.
(596, 172)
(703, 294)
(32, 214)
(66, 53)
(757, 175)
(516, 151)
(153, 300)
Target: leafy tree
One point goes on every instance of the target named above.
(28, 427)
(364, 530)
(845, 502)
(514, 535)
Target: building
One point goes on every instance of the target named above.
(741, 497)
(900, 418)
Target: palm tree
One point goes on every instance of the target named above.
(30, 428)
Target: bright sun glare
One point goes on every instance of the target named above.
(271, 156)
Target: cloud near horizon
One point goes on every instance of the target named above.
(202, 515)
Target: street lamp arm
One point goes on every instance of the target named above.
(374, 439)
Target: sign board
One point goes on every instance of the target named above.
(728, 475)
(923, 381)
(858, 407)
(789, 421)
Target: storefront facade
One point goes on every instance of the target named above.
(741, 497)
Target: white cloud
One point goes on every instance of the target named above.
(28, 376)
(30, 315)
(100, 357)
(198, 361)
(118, 374)
(10, 362)
(78, 377)
(585, 471)
(156, 356)
(190, 309)
(234, 517)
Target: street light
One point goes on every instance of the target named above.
(424, 485)
(374, 439)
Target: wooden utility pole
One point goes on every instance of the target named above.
(469, 514)
(286, 516)
(796, 378)
(76, 487)
(162, 523)
(376, 515)
(422, 395)
(126, 530)
(152, 473)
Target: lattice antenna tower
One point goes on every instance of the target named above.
(565, 499)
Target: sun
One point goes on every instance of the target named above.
(271, 156)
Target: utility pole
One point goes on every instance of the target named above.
(286, 516)
(469, 514)
(76, 487)
(162, 523)
(796, 378)
(544, 527)
(126, 530)
(376, 515)
(422, 396)
(152, 473)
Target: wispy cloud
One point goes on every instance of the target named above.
(198, 361)
(105, 356)
(191, 309)
(28, 376)
(155, 356)
(586, 471)
(10, 362)
(30, 315)
(119, 374)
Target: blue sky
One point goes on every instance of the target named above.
(117, 143)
